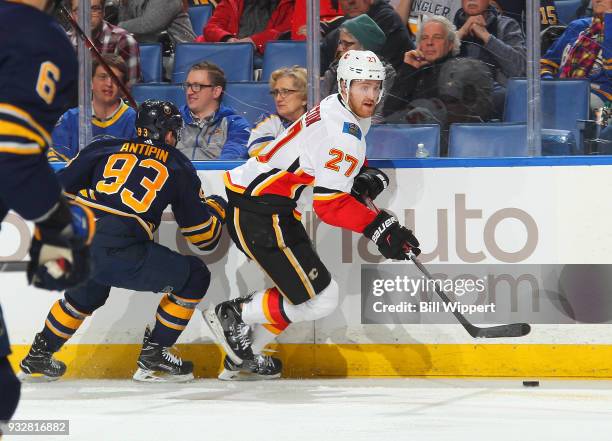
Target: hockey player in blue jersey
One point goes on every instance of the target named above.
(129, 183)
(38, 71)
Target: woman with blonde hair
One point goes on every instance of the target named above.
(288, 88)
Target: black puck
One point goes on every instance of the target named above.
(531, 383)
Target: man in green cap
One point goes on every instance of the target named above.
(359, 33)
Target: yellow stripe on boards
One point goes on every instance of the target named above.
(367, 360)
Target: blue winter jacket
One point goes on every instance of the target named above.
(224, 135)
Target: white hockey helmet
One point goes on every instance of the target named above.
(360, 65)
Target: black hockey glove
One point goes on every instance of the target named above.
(59, 253)
(393, 240)
(218, 205)
(369, 182)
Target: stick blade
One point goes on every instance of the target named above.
(511, 330)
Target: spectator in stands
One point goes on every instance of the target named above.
(435, 86)
(516, 9)
(584, 50)
(359, 33)
(412, 11)
(110, 39)
(249, 21)
(398, 38)
(496, 40)
(212, 130)
(111, 116)
(330, 14)
(148, 19)
(288, 87)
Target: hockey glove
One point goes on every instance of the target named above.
(393, 240)
(59, 253)
(369, 182)
(218, 205)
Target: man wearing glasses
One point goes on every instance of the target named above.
(110, 39)
(212, 130)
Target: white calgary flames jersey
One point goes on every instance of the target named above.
(325, 148)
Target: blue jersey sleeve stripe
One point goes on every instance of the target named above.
(55, 156)
(24, 116)
(204, 225)
(16, 132)
(261, 139)
(18, 148)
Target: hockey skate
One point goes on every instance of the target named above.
(225, 321)
(39, 364)
(261, 367)
(157, 364)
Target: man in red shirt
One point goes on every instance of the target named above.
(248, 21)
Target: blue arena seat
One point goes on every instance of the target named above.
(282, 54)
(151, 62)
(488, 139)
(249, 99)
(564, 102)
(199, 15)
(506, 139)
(166, 92)
(236, 59)
(566, 10)
(396, 141)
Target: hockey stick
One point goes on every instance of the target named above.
(511, 330)
(65, 14)
(13, 266)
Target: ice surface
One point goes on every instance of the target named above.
(321, 410)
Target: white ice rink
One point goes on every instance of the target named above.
(314, 410)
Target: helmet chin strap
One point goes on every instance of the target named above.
(346, 101)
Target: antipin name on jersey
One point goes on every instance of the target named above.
(145, 150)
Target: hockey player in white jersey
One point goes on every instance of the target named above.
(325, 149)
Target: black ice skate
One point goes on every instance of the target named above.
(225, 321)
(39, 364)
(157, 364)
(261, 367)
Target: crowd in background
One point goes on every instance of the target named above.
(446, 61)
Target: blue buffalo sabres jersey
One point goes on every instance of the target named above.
(66, 133)
(38, 72)
(137, 180)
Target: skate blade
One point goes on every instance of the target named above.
(227, 375)
(212, 321)
(35, 378)
(147, 376)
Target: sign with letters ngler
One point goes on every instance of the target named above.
(526, 244)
